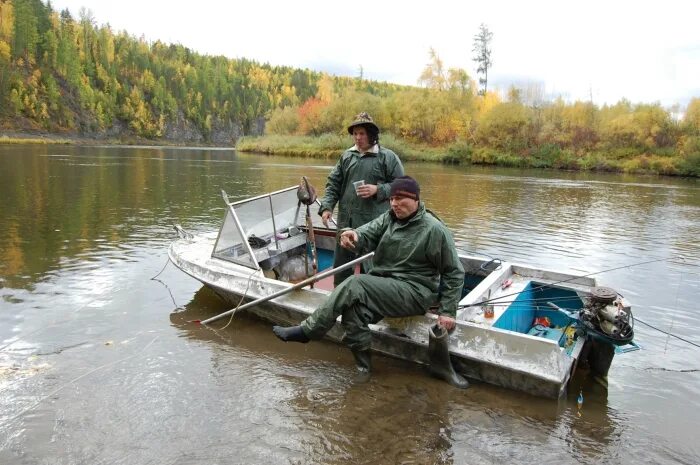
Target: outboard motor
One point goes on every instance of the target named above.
(608, 322)
(608, 317)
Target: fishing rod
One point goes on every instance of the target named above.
(536, 288)
(666, 332)
(533, 300)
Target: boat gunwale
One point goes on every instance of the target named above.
(235, 271)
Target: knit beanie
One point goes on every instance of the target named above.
(405, 186)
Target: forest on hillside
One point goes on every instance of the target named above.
(67, 75)
(70, 76)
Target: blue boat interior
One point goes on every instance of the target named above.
(531, 313)
(324, 257)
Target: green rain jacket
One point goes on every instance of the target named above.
(418, 252)
(374, 168)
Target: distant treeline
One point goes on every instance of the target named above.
(61, 74)
(64, 75)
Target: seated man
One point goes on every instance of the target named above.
(413, 251)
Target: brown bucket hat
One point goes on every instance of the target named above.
(363, 119)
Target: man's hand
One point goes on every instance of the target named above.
(366, 191)
(446, 322)
(325, 216)
(348, 239)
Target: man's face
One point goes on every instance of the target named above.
(359, 133)
(403, 207)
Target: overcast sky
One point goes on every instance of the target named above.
(645, 51)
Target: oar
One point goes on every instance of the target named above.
(299, 285)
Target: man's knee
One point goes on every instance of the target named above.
(358, 316)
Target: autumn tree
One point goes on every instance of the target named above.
(6, 34)
(26, 34)
(433, 75)
(691, 118)
(482, 54)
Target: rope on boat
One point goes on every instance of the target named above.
(155, 278)
(161, 270)
(245, 294)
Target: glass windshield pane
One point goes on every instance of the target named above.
(265, 221)
(231, 245)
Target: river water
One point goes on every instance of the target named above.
(98, 363)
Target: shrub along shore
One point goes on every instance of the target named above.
(330, 146)
(461, 152)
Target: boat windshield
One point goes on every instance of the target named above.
(257, 228)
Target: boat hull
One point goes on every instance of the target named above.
(504, 358)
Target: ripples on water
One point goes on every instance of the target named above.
(91, 371)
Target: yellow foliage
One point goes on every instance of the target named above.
(692, 115)
(4, 52)
(260, 78)
(433, 75)
(148, 81)
(7, 21)
(449, 128)
(506, 126)
(578, 115)
(325, 91)
(486, 102)
(43, 112)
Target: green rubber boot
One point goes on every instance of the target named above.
(440, 364)
(363, 363)
(290, 334)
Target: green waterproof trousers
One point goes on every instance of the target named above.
(361, 300)
(341, 257)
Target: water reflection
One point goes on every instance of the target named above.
(59, 207)
(84, 228)
(402, 415)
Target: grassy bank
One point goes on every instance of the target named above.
(330, 146)
(48, 139)
(32, 140)
(547, 156)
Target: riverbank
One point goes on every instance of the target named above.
(628, 160)
(20, 138)
(329, 146)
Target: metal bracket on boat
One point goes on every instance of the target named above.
(249, 249)
(225, 196)
(182, 233)
(494, 261)
(631, 347)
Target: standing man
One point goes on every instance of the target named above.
(414, 255)
(366, 161)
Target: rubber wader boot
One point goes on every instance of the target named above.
(600, 358)
(440, 364)
(363, 363)
(291, 334)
